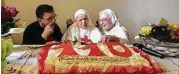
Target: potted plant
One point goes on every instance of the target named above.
(8, 20)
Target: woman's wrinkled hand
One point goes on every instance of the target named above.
(109, 38)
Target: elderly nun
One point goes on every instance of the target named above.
(112, 29)
(82, 28)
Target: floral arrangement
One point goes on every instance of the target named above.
(164, 32)
(7, 18)
(6, 49)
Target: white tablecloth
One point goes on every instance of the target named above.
(171, 65)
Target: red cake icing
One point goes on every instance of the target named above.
(97, 61)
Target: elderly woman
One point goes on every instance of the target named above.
(112, 29)
(82, 29)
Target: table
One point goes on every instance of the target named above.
(171, 65)
(23, 58)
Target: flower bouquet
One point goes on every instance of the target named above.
(163, 37)
(7, 18)
(163, 32)
(6, 49)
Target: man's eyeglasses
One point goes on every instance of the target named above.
(51, 18)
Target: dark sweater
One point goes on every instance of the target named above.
(33, 32)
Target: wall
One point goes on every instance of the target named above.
(133, 14)
(2, 2)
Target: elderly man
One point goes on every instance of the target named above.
(44, 29)
(82, 29)
(112, 29)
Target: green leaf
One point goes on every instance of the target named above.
(9, 46)
(172, 32)
(3, 49)
(6, 48)
(163, 22)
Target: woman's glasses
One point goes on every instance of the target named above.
(103, 19)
